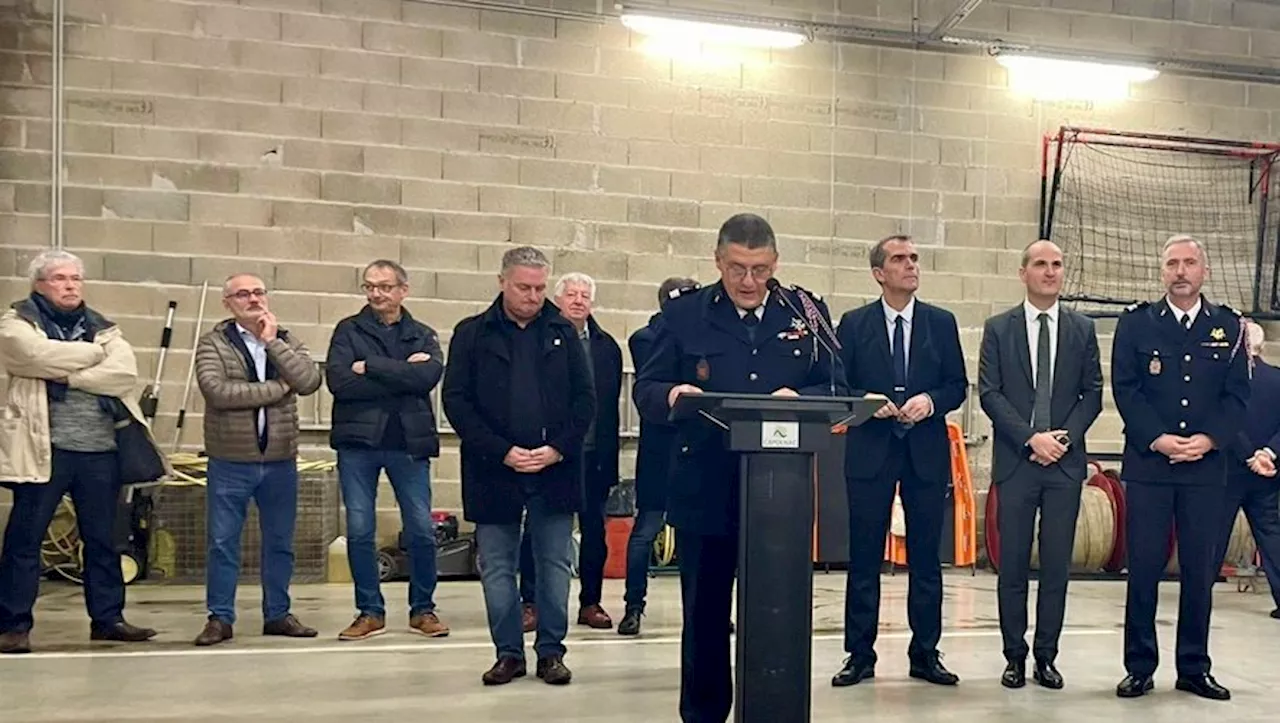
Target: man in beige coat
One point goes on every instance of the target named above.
(72, 379)
(251, 372)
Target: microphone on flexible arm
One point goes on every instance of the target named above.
(813, 317)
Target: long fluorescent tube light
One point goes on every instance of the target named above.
(674, 30)
(1058, 79)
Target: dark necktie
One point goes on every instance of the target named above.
(1044, 384)
(751, 321)
(1187, 321)
(899, 371)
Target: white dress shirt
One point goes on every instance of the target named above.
(1033, 337)
(1180, 315)
(258, 351)
(908, 314)
(758, 311)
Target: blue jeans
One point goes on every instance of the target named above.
(499, 559)
(273, 486)
(639, 549)
(411, 480)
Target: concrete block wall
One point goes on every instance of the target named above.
(301, 138)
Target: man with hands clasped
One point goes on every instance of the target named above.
(1180, 377)
(1040, 382)
(381, 368)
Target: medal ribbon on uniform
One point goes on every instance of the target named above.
(814, 317)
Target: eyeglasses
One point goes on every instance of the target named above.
(244, 294)
(382, 288)
(737, 272)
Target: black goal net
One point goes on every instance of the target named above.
(1110, 200)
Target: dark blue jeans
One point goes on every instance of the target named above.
(639, 549)
(593, 551)
(93, 479)
(273, 486)
(499, 558)
(410, 477)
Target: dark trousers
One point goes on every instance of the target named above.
(1152, 508)
(1057, 497)
(1259, 496)
(592, 552)
(870, 506)
(93, 479)
(707, 568)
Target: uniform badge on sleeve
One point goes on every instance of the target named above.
(703, 370)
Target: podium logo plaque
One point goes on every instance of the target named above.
(780, 435)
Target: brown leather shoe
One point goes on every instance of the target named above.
(594, 616)
(215, 631)
(428, 624)
(122, 632)
(553, 671)
(504, 671)
(15, 643)
(363, 628)
(529, 617)
(289, 627)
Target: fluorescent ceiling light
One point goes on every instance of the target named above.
(1056, 79)
(673, 30)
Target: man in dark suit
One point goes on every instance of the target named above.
(575, 294)
(1181, 383)
(734, 336)
(653, 462)
(908, 351)
(1040, 382)
(1251, 479)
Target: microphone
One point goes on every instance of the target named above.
(775, 287)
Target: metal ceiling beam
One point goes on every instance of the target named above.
(952, 21)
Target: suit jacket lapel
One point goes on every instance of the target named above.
(919, 329)
(1018, 334)
(1068, 352)
(879, 336)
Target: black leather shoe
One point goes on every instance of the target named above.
(504, 671)
(930, 669)
(1135, 686)
(1047, 675)
(289, 627)
(1015, 675)
(1204, 686)
(15, 643)
(1276, 613)
(630, 624)
(122, 632)
(552, 670)
(853, 672)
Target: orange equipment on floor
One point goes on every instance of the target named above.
(617, 532)
(964, 509)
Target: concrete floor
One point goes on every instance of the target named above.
(400, 676)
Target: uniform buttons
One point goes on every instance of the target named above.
(1186, 378)
(1182, 425)
(1215, 355)
(753, 376)
(1186, 357)
(754, 352)
(1184, 402)
(795, 352)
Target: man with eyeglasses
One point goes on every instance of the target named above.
(381, 368)
(251, 372)
(734, 336)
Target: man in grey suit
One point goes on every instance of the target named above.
(1040, 382)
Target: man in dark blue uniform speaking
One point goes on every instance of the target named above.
(734, 336)
(1180, 377)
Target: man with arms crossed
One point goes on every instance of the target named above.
(1040, 382)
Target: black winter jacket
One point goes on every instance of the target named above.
(363, 403)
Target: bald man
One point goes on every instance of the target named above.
(1040, 382)
(1252, 482)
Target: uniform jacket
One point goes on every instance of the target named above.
(703, 342)
(1170, 380)
(606, 365)
(477, 399)
(1261, 427)
(106, 366)
(1007, 391)
(935, 366)
(362, 403)
(653, 456)
(233, 394)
